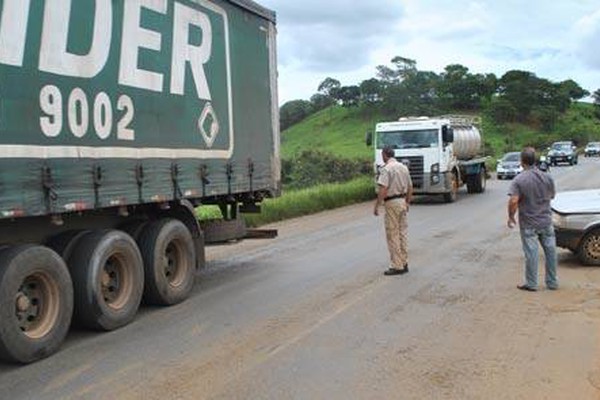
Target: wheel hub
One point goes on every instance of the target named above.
(23, 302)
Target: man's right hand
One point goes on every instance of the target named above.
(511, 223)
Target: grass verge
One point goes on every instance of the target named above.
(300, 202)
(312, 200)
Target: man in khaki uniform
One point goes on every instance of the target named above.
(395, 193)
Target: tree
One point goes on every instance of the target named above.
(329, 87)
(596, 96)
(573, 90)
(371, 91)
(321, 101)
(516, 87)
(349, 96)
(293, 112)
(404, 68)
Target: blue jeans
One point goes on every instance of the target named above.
(529, 239)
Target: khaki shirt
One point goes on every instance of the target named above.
(395, 177)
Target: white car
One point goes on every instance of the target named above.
(576, 220)
(592, 149)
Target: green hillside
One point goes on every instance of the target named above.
(341, 132)
(336, 130)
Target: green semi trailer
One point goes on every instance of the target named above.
(117, 119)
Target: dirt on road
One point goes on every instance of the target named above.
(310, 315)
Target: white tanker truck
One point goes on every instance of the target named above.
(442, 153)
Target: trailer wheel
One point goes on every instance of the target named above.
(453, 194)
(108, 279)
(65, 242)
(169, 261)
(133, 228)
(589, 248)
(36, 303)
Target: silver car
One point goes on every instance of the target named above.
(509, 166)
(576, 219)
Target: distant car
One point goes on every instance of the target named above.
(576, 220)
(509, 166)
(592, 149)
(563, 152)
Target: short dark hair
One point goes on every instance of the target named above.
(528, 156)
(388, 151)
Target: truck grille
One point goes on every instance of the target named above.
(415, 166)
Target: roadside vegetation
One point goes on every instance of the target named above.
(326, 163)
(299, 202)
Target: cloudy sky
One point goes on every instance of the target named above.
(347, 39)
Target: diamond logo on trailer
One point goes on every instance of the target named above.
(209, 125)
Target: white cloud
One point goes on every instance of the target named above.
(346, 40)
(588, 32)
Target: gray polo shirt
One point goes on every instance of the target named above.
(535, 190)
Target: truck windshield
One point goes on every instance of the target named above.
(408, 139)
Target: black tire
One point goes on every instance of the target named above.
(478, 182)
(36, 303)
(108, 278)
(133, 228)
(470, 184)
(589, 248)
(169, 262)
(453, 194)
(65, 242)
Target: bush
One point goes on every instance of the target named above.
(314, 167)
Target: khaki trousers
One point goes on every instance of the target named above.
(396, 228)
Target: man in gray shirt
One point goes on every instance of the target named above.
(531, 192)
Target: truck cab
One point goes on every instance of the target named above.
(439, 153)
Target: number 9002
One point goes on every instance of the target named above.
(78, 114)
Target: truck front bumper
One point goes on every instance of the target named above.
(430, 183)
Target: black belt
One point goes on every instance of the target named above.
(396, 196)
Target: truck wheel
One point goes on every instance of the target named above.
(108, 279)
(133, 228)
(169, 261)
(36, 303)
(452, 195)
(470, 184)
(65, 242)
(589, 248)
(476, 183)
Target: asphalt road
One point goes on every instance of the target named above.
(310, 315)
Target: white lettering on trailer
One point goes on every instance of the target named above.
(13, 31)
(78, 114)
(184, 52)
(51, 104)
(55, 58)
(135, 37)
(103, 115)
